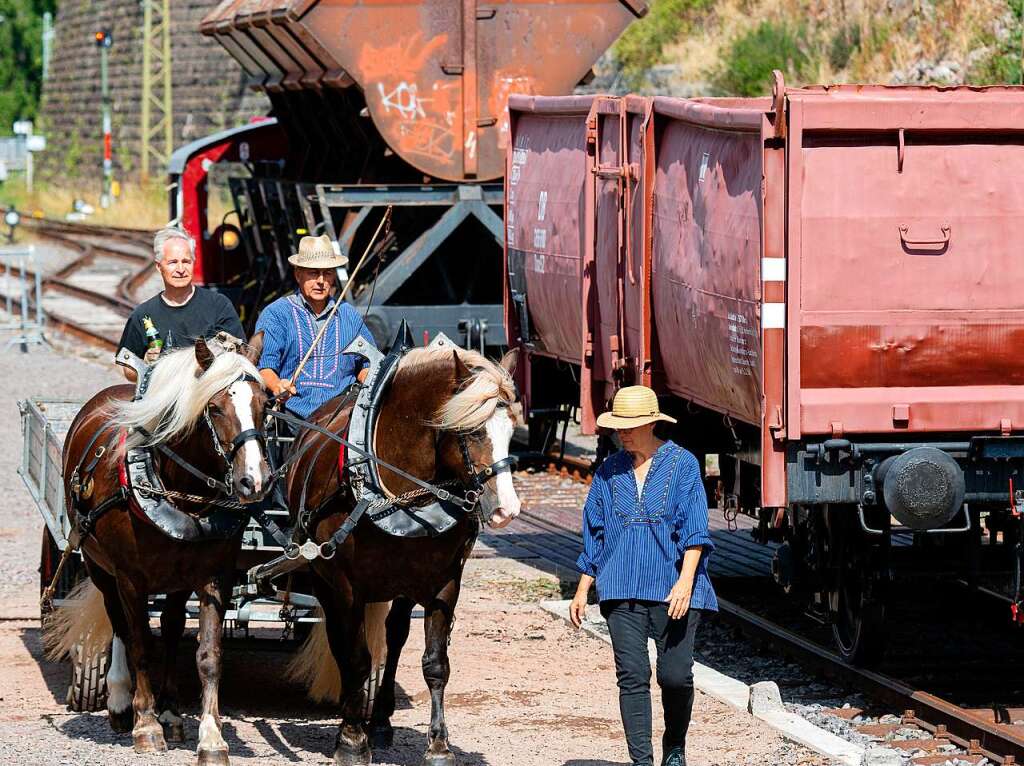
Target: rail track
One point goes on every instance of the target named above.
(955, 680)
(90, 297)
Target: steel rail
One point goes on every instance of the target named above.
(122, 302)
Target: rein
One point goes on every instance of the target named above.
(467, 502)
(223, 486)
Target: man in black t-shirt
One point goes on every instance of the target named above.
(181, 312)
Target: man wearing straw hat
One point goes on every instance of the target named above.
(292, 324)
(646, 544)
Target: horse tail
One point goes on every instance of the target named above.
(80, 624)
(314, 664)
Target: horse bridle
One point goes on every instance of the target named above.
(248, 435)
(478, 479)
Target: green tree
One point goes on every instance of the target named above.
(21, 58)
(746, 68)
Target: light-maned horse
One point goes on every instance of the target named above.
(208, 408)
(437, 399)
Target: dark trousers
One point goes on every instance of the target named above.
(630, 624)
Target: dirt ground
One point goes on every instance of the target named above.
(526, 689)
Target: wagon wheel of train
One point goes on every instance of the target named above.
(857, 569)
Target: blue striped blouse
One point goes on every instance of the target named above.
(289, 327)
(634, 546)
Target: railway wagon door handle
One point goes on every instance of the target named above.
(940, 244)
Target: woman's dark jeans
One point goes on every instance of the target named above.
(630, 624)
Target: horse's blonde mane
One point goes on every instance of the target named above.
(479, 396)
(178, 393)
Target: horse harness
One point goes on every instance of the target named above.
(398, 515)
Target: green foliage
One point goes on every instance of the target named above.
(843, 45)
(747, 65)
(642, 43)
(21, 58)
(1003, 64)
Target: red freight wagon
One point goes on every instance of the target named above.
(824, 287)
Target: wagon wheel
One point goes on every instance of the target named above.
(87, 690)
(856, 593)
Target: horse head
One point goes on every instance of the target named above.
(234, 415)
(477, 424)
(206, 405)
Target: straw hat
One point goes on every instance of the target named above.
(317, 253)
(632, 407)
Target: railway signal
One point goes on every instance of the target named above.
(104, 40)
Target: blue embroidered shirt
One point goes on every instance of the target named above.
(634, 545)
(289, 327)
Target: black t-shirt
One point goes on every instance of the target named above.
(205, 314)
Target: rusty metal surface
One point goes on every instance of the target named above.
(436, 74)
(544, 220)
(889, 301)
(706, 259)
(901, 255)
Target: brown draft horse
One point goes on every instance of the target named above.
(208, 408)
(438, 402)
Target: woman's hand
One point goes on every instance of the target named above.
(578, 607)
(679, 599)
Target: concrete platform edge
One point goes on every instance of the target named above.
(736, 695)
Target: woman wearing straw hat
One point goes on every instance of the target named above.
(646, 544)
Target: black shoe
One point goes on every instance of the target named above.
(674, 757)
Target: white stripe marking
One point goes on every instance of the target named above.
(241, 397)
(773, 269)
(119, 680)
(209, 735)
(773, 316)
(499, 430)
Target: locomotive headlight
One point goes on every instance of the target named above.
(229, 240)
(923, 488)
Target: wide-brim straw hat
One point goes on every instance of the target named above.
(317, 253)
(632, 407)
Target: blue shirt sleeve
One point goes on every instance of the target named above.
(691, 510)
(274, 339)
(593, 528)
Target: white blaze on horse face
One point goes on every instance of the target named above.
(119, 680)
(499, 430)
(241, 397)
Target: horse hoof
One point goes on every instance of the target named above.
(345, 755)
(213, 758)
(149, 742)
(346, 758)
(382, 735)
(122, 722)
(174, 731)
(439, 759)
